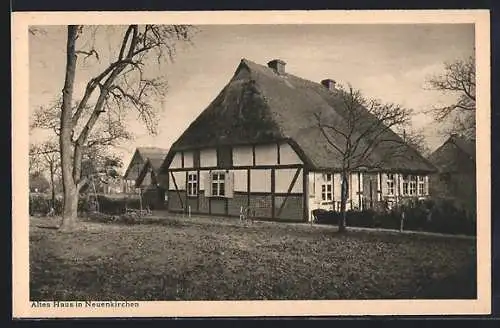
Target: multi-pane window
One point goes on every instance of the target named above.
(413, 185)
(192, 184)
(327, 188)
(421, 185)
(218, 184)
(390, 184)
(405, 184)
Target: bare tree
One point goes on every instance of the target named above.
(45, 156)
(100, 168)
(362, 127)
(38, 182)
(458, 78)
(121, 86)
(415, 139)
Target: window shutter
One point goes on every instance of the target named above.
(426, 185)
(383, 186)
(208, 184)
(229, 184)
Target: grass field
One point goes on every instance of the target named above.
(190, 259)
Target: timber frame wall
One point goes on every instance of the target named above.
(270, 179)
(273, 180)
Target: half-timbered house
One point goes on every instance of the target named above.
(136, 165)
(151, 183)
(257, 145)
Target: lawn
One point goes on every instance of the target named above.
(206, 259)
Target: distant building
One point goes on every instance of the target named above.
(258, 145)
(139, 159)
(150, 182)
(455, 160)
(113, 185)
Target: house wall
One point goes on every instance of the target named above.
(273, 186)
(208, 158)
(134, 167)
(154, 198)
(318, 179)
(288, 155)
(267, 178)
(133, 170)
(177, 180)
(243, 156)
(188, 158)
(146, 181)
(260, 180)
(284, 178)
(266, 154)
(129, 187)
(163, 180)
(362, 193)
(176, 161)
(240, 180)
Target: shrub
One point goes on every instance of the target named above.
(432, 215)
(364, 218)
(447, 217)
(438, 215)
(326, 216)
(40, 204)
(125, 218)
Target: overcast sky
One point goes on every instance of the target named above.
(388, 62)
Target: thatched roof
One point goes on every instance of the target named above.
(260, 106)
(468, 146)
(141, 155)
(153, 153)
(456, 154)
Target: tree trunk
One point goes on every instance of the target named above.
(343, 202)
(52, 186)
(70, 210)
(70, 189)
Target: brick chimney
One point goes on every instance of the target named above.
(277, 65)
(329, 84)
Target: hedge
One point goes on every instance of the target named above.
(131, 219)
(439, 215)
(40, 204)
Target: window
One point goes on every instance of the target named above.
(327, 188)
(413, 185)
(421, 185)
(326, 192)
(405, 185)
(192, 184)
(390, 184)
(218, 184)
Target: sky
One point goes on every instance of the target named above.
(386, 62)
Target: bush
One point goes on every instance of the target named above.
(433, 215)
(115, 206)
(125, 218)
(326, 216)
(40, 204)
(364, 218)
(447, 217)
